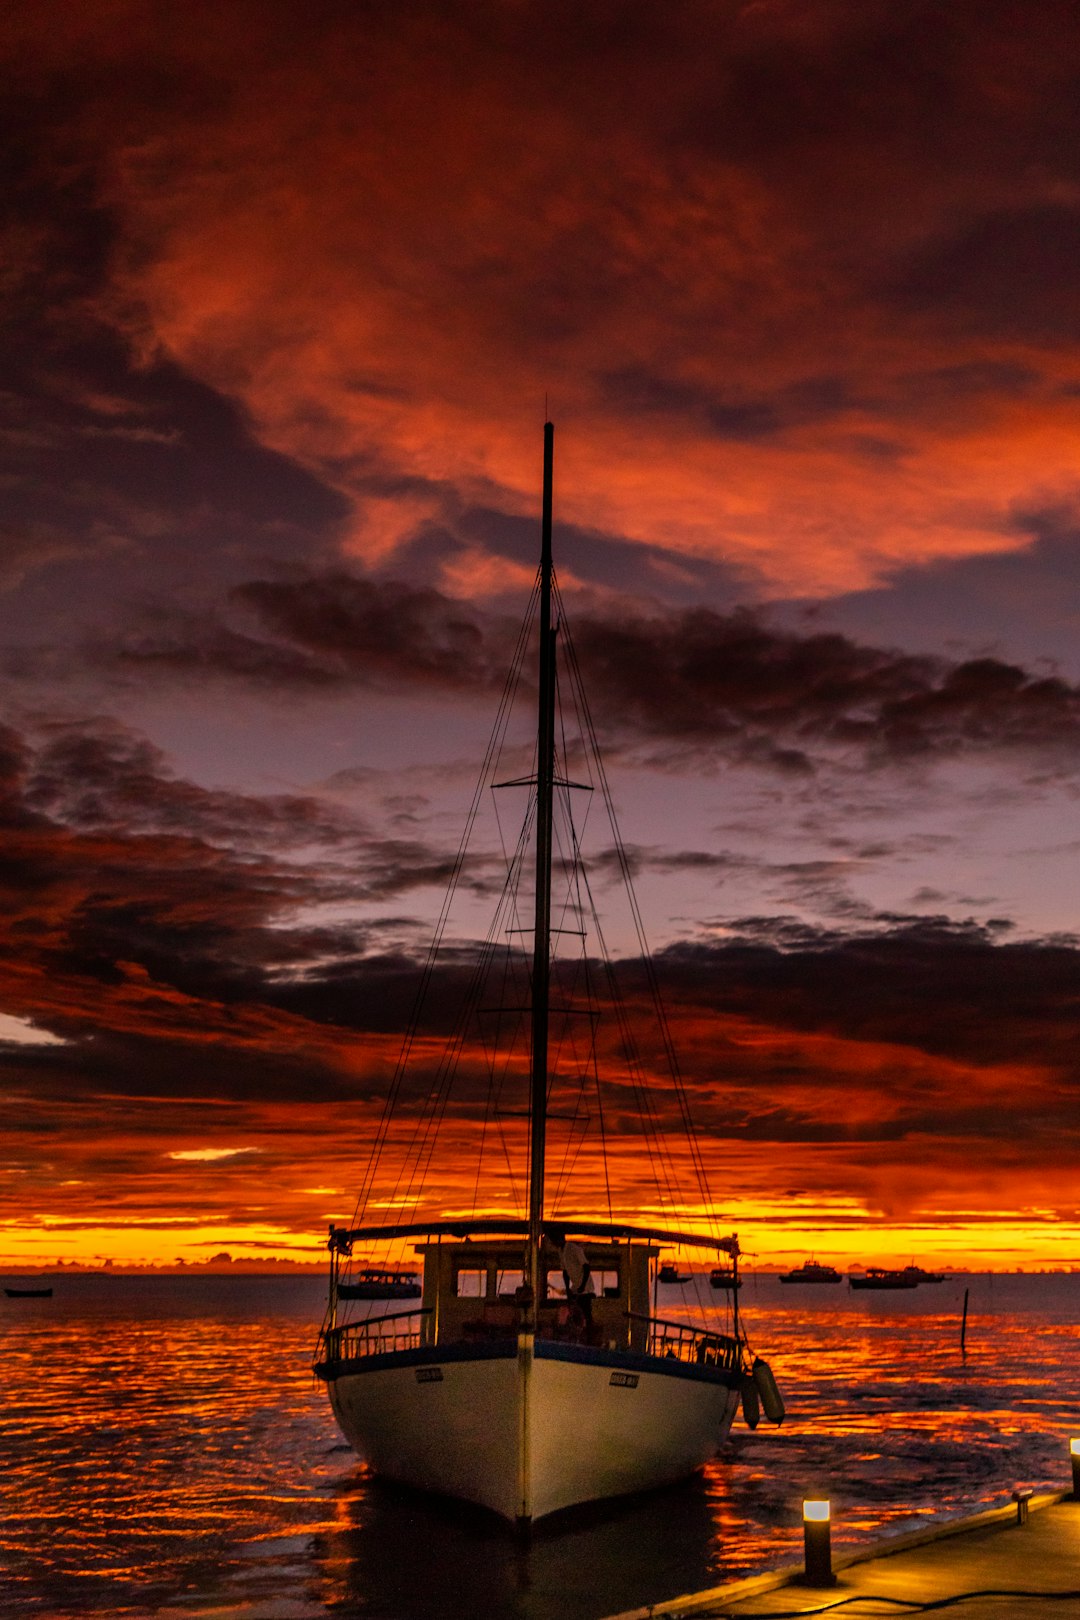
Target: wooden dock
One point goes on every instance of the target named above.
(985, 1568)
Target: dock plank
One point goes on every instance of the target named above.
(1036, 1566)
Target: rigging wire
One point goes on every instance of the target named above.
(502, 717)
(652, 977)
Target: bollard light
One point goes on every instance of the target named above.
(1074, 1451)
(817, 1545)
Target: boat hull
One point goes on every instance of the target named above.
(379, 1290)
(526, 1433)
(812, 1282)
(883, 1284)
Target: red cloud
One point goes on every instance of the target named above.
(775, 333)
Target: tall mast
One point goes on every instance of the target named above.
(545, 775)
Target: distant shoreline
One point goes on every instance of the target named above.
(317, 1268)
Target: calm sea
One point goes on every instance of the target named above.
(164, 1452)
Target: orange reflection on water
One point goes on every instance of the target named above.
(166, 1447)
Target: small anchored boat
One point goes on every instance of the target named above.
(922, 1276)
(812, 1271)
(28, 1293)
(372, 1284)
(883, 1277)
(670, 1273)
(724, 1278)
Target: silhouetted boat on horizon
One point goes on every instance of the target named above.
(812, 1271)
(372, 1284)
(922, 1276)
(882, 1277)
(725, 1278)
(28, 1293)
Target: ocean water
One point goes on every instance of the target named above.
(165, 1452)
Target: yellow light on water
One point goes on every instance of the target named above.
(816, 1512)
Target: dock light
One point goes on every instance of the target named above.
(817, 1544)
(1074, 1451)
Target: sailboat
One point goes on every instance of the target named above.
(512, 1385)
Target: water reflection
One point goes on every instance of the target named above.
(396, 1545)
(166, 1450)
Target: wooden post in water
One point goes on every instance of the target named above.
(963, 1326)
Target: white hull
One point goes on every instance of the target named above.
(527, 1435)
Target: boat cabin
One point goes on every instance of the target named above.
(475, 1290)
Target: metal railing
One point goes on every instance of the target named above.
(685, 1343)
(377, 1335)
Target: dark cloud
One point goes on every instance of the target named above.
(1007, 272)
(734, 684)
(804, 400)
(136, 905)
(147, 923)
(381, 631)
(955, 990)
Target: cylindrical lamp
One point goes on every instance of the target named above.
(817, 1544)
(1074, 1452)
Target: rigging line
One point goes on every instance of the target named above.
(416, 1151)
(394, 1099)
(413, 1148)
(650, 969)
(628, 1042)
(640, 1089)
(493, 747)
(667, 1180)
(488, 1107)
(506, 700)
(575, 971)
(574, 889)
(574, 1141)
(498, 1072)
(424, 1141)
(515, 979)
(591, 999)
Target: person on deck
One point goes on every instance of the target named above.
(577, 1274)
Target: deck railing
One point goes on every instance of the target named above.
(687, 1343)
(402, 1330)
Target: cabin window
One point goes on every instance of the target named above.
(470, 1284)
(507, 1282)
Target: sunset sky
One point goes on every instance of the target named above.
(287, 291)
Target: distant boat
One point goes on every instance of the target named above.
(670, 1273)
(372, 1284)
(28, 1293)
(922, 1276)
(724, 1277)
(882, 1277)
(812, 1271)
